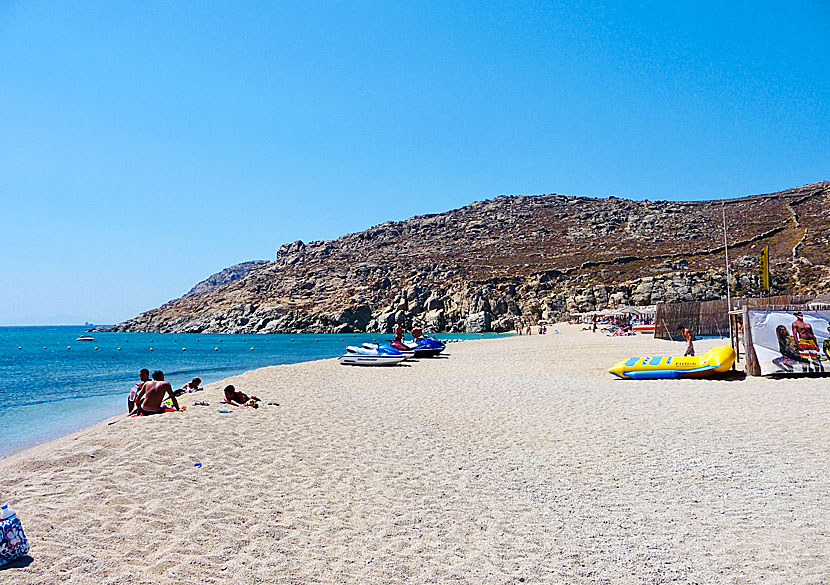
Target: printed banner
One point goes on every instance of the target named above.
(791, 343)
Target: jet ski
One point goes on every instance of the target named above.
(406, 352)
(361, 356)
(425, 347)
(377, 350)
(356, 359)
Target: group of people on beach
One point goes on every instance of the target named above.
(147, 397)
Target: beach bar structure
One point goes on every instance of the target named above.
(712, 317)
(640, 313)
(744, 333)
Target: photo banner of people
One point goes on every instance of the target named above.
(791, 342)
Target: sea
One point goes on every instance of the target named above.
(52, 385)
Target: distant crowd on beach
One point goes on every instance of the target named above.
(542, 330)
(152, 394)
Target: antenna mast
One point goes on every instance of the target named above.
(726, 253)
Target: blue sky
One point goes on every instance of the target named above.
(144, 147)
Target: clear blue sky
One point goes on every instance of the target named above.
(144, 148)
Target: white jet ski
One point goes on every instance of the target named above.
(356, 359)
(374, 346)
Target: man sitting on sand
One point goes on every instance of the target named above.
(143, 376)
(237, 398)
(149, 398)
(192, 386)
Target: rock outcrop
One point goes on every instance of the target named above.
(225, 276)
(495, 264)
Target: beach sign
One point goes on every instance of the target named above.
(791, 342)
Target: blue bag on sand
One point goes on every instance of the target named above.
(13, 543)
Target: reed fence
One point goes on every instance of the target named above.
(712, 317)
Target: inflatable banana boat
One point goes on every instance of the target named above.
(719, 359)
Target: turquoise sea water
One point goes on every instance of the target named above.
(51, 384)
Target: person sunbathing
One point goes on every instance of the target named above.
(192, 386)
(150, 396)
(236, 398)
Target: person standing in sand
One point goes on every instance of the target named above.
(149, 398)
(689, 337)
(143, 376)
(399, 331)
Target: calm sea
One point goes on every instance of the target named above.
(51, 384)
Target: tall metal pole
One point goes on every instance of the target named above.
(726, 252)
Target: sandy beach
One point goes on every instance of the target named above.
(512, 460)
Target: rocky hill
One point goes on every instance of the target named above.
(515, 259)
(225, 276)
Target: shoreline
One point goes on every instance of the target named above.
(28, 423)
(521, 459)
(108, 420)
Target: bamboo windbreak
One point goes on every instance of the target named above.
(712, 317)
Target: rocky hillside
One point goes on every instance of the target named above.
(514, 259)
(227, 275)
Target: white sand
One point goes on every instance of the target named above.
(514, 459)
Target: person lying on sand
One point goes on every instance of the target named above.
(192, 386)
(149, 398)
(237, 398)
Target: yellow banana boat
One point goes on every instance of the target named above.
(719, 359)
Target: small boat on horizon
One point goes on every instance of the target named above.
(85, 338)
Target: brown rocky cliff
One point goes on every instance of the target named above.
(492, 264)
(235, 272)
